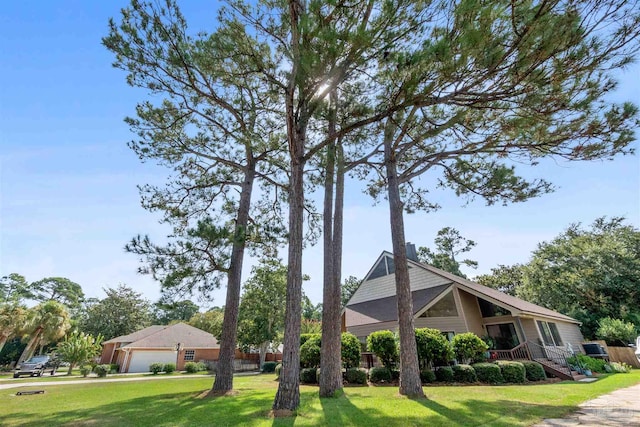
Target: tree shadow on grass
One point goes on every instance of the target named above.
(171, 409)
(347, 411)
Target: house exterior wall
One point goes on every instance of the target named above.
(108, 352)
(471, 312)
(201, 354)
(445, 324)
(385, 286)
(530, 329)
(363, 331)
(570, 333)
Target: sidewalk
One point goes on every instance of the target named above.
(620, 408)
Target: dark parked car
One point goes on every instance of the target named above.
(36, 366)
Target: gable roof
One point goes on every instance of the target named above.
(386, 309)
(138, 335)
(493, 295)
(168, 336)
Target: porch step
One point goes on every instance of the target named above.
(559, 371)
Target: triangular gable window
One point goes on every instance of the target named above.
(384, 267)
(446, 307)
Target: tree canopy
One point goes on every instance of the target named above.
(123, 311)
(449, 243)
(588, 273)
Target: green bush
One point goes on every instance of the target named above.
(202, 366)
(278, 370)
(469, 347)
(512, 372)
(616, 332)
(444, 374)
(169, 368)
(395, 374)
(269, 367)
(84, 371)
(586, 362)
(383, 345)
(350, 350)
(156, 368)
(534, 371)
(114, 368)
(308, 376)
(433, 347)
(310, 352)
(102, 370)
(489, 373)
(305, 337)
(356, 376)
(464, 374)
(191, 367)
(427, 376)
(379, 375)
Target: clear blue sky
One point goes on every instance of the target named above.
(68, 197)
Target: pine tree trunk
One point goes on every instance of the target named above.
(263, 353)
(3, 341)
(288, 394)
(330, 367)
(410, 384)
(224, 374)
(31, 346)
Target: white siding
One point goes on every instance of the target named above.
(383, 287)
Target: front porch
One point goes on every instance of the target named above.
(553, 359)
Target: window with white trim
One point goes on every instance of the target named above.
(189, 355)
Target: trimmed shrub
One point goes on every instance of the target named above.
(278, 370)
(202, 366)
(464, 374)
(350, 350)
(616, 332)
(156, 368)
(191, 367)
(84, 371)
(383, 345)
(587, 362)
(310, 352)
(356, 376)
(512, 372)
(469, 347)
(114, 368)
(305, 337)
(395, 374)
(269, 367)
(488, 373)
(169, 368)
(427, 376)
(534, 371)
(433, 347)
(102, 370)
(379, 375)
(308, 376)
(444, 374)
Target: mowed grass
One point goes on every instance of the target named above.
(177, 402)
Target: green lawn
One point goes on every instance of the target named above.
(176, 403)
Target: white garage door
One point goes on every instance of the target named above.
(140, 360)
